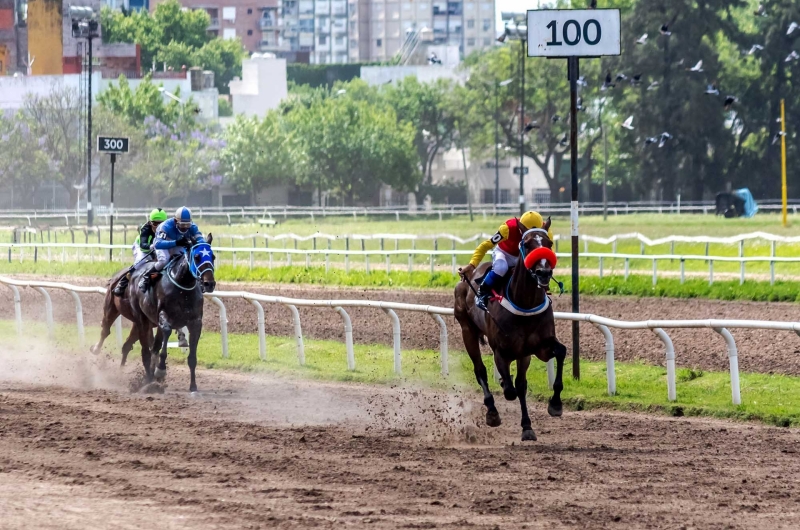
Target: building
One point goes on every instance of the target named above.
(262, 87)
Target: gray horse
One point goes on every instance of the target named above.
(173, 301)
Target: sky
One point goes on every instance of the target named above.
(516, 6)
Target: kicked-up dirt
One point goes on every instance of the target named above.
(78, 450)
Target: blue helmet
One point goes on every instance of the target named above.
(183, 219)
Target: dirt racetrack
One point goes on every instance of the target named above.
(77, 450)
(759, 350)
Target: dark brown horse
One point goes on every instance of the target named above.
(519, 324)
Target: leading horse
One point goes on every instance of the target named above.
(519, 324)
(172, 302)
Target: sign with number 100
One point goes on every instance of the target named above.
(573, 32)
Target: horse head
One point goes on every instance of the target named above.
(537, 254)
(201, 264)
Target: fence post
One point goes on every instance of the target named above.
(655, 268)
(395, 338)
(772, 273)
(347, 255)
(611, 374)
(223, 324)
(627, 267)
(79, 319)
(366, 256)
(48, 311)
(710, 271)
(17, 308)
(601, 267)
(454, 257)
(298, 334)
(671, 391)
(741, 271)
(442, 343)
(733, 359)
(683, 270)
(118, 331)
(262, 339)
(328, 258)
(348, 338)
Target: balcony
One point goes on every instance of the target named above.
(214, 23)
(267, 24)
(273, 46)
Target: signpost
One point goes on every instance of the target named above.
(112, 146)
(574, 33)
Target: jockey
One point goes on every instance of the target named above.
(505, 254)
(172, 237)
(142, 247)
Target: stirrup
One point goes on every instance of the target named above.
(482, 301)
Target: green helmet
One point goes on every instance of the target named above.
(158, 215)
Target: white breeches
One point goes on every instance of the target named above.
(501, 261)
(139, 257)
(163, 256)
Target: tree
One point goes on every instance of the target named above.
(353, 146)
(260, 153)
(23, 165)
(145, 101)
(57, 120)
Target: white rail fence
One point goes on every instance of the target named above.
(603, 324)
(99, 252)
(396, 211)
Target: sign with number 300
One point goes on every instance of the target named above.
(573, 33)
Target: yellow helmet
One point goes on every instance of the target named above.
(531, 219)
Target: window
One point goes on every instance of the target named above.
(249, 11)
(340, 41)
(487, 41)
(323, 40)
(229, 33)
(487, 24)
(469, 7)
(379, 43)
(229, 13)
(423, 6)
(486, 7)
(249, 31)
(470, 42)
(471, 23)
(353, 43)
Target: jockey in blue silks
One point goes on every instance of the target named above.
(172, 237)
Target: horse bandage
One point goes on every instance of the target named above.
(539, 254)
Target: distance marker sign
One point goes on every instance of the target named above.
(573, 32)
(108, 144)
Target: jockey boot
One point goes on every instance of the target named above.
(147, 277)
(122, 284)
(485, 291)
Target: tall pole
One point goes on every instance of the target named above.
(783, 162)
(496, 147)
(466, 175)
(111, 213)
(572, 70)
(605, 163)
(89, 212)
(522, 128)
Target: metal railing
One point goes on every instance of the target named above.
(603, 324)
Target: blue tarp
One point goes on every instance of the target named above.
(750, 206)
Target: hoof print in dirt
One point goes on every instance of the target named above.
(528, 436)
(493, 419)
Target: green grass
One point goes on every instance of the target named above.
(773, 399)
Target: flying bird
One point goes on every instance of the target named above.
(628, 123)
(651, 140)
(665, 136)
(653, 85)
(665, 30)
(582, 81)
(501, 38)
(792, 57)
(792, 27)
(636, 80)
(531, 126)
(777, 137)
(698, 67)
(580, 106)
(761, 11)
(680, 63)
(642, 39)
(755, 48)
(607, 83)
(564, 142)
(621, 77)
(729, 101)
(555, 118)
(712, 90)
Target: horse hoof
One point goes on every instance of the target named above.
(93, 349)
(554, 409)
(183, 343)
(510, 393)
(159, 373)
(528, 435)
(493, 419)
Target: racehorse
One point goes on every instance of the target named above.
(519, 324)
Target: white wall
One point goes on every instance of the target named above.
(262, 87)
(381, 75)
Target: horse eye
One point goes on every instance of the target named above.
(197, 258)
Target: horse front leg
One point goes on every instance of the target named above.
(554, 407)
(195, 328)
(133, 336)
(109, 316)
(504, 368)
(146, 341)
(522, 391)
(165, 330)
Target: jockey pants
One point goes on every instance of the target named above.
(163, 256)
(140, 257)
(501, 261)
